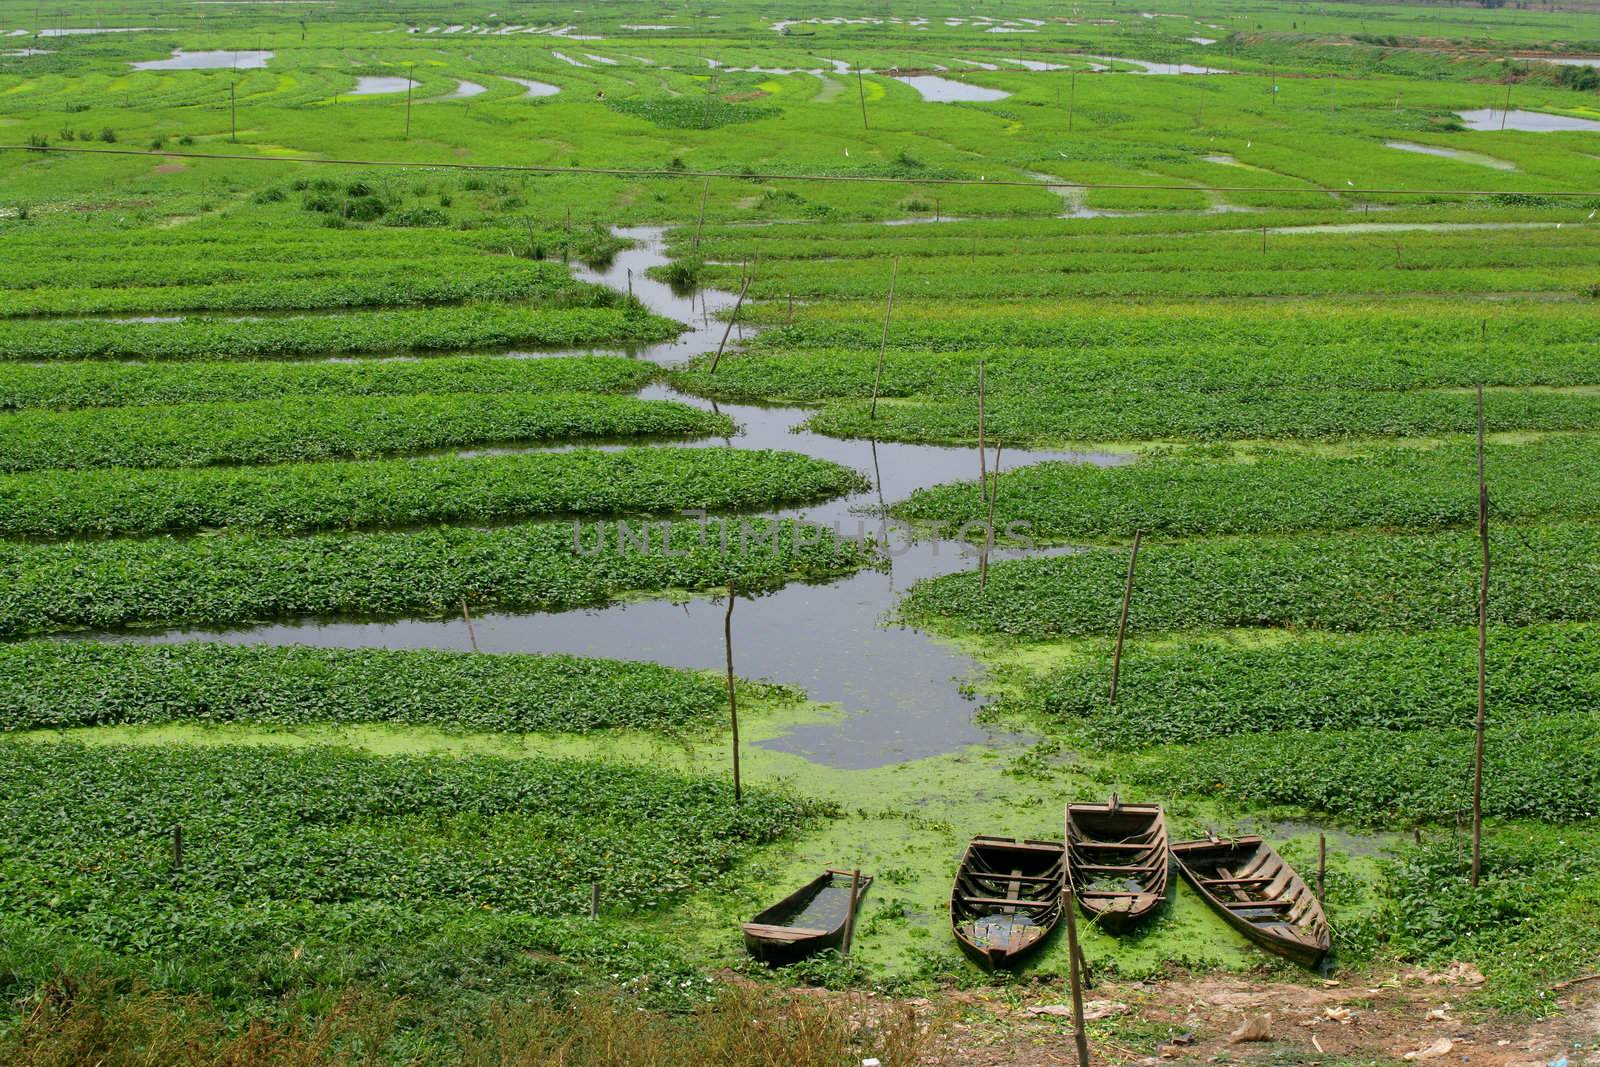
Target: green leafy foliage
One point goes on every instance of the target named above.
(47, 684)
(1195, 690)
(1219, 494)
(1156, 414)
(1365, 581)
(1534, 768)
(689, 113)
(1530, 920)
(96, 385)
(407, 330)
(234, 579)
(321, 866)
(319, 496)
(365, 285)
(312, 428)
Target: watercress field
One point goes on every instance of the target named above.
(321, 371)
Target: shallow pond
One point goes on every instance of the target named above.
(1452, 153)
(1488, 118)
(949, 91)
(464, 91)
(181, 60)
(535, 88)
(1146, 67)
(378, 86)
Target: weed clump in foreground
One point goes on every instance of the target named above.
(94, 1020)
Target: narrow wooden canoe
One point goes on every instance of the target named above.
(810, 919)
(1007, 898)
(1117, 860)
(1259, 894)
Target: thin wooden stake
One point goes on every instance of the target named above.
(409, 83)
(737, 304)
(1505, 112)
(861, 87)
(1075, 967)
(594, 900)
(630, 284)
(1122, 626)
(850, 912)
(1322, 866)
(988, 528)
(1483, 656)
(788, 319)
(177, 846)
(1072, 100)
(733, 700)
(233, 110)
(472, 635)
(533, 247)
(883, 342)
(983, 473)
(705, 190)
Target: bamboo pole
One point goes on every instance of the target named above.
(233, 110)
(983, 473)
(733, 700)
(472, 635)
(850, 912)
(861, 88)
(737, 304)
(1122, 626)
(1505, 112)
(1322, 867)
(705, 191)
(594, 900)
(988, 528)
(409, 84)
(1072, 100)
(1483, 657)
(883, 342)
(177, 846)
(1075, 968)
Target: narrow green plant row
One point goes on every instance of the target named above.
(239, 579)
(304, 497)
(311, 865)
(1202, 688)
(1216, 491)
(406, 330)
(956, 278)
(1045, 418)
(239, 247)
(1345, 582)
(1364, 357)
(452, 282)
(1433, 237)
(1546, 769)
(303, 429)
(1387, 340)
(64, 684)
(96, 384)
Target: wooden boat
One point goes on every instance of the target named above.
(1260, 895)
(1007, 898)
(1117, 860)
(810, 919)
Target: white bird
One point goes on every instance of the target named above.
(847, 151)
(1591, 214)
(1249, 144)
(1350, 183)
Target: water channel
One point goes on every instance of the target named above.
(899, 691)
